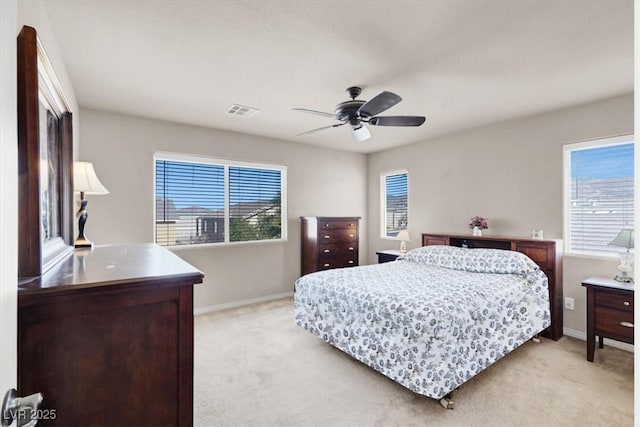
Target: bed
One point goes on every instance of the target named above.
(432, 319)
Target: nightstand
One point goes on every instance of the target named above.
(609, 312)
(387, 255)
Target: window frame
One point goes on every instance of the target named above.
(566, 187)
(226, 163)
(383, 201)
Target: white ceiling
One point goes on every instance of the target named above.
(460, 63)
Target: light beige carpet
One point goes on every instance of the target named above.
(255, 367)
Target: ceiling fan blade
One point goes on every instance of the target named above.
(320, 113)
(379, 103)
(322, 128)
(397, 121)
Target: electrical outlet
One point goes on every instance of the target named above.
(568, 303)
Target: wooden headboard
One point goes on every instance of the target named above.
(546, 253)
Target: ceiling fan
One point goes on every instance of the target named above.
(357, 112)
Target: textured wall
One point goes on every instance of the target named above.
(510, 172)
(13, 16)
(34, 14)
(320, 182)
(8, 195)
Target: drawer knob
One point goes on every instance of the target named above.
(327, 237)
(626, 324)
(350, 262)
(351, 248)
(326, 251)
(626, 303)
(327, 265)
(350, 235)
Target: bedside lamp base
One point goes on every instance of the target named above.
(623, 278)
(83, 243)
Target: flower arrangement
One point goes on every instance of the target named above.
(480, 222)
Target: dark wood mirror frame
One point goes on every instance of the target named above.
(45, 184)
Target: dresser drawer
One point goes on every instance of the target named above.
(342, 235)
(346, 261)
(332, 250)
(614, 322)
(616, 301)
(336, 224)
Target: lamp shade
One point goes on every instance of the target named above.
(625, 239)
(404, 236)
(85, 179)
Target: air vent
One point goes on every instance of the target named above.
(242, 111)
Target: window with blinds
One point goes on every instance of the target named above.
(600, 194)
(394, 197)
(255, 208)
(202, 200)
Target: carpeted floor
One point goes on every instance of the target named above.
(255, 367)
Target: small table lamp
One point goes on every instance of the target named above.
(624, 239)
(85, 181)
(404, 237)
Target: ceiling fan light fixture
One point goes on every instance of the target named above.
(360, 133)
(355, 112)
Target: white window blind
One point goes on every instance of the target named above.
(202, 200)
(601, 194)
(394, 202)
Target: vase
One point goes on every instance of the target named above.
(477, 231)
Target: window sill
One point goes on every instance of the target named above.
(179, 248)
(603, 257)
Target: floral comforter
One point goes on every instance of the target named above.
(432, 319)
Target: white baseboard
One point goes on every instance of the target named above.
(228, 305)
(583, 336)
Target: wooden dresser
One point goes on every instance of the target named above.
(107, 337)
(609, 312)
(546, 253)
(329, 242)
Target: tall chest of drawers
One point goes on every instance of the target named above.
(329, 242)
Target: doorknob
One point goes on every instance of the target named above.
(22, 409)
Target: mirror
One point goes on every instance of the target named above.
(45, 155)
